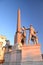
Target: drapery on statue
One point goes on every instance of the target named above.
(32, 35)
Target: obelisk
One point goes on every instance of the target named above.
(18, 28)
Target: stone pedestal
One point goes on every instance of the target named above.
(31, 53)
(27, 55)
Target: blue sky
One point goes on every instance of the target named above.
(31, 13)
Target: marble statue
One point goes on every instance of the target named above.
(2, 49)
(32, 35)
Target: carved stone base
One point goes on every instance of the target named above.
(31, 53)
(27, 55)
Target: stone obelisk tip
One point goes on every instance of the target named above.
(18, 27)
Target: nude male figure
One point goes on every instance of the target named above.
(32, 35)
(23, 35)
